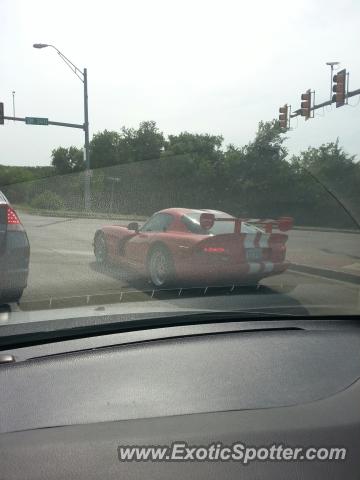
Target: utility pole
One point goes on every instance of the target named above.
(87, 145)
(82, 75)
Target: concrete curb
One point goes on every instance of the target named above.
(326, 273)
(326, 229)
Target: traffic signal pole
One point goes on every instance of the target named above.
(84, 127)
(57, 124)
(339, 94)
(296, 113)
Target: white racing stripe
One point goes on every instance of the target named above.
(264, 241)
(249, 240)
(268, 267)
(254, 267)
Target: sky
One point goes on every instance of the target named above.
(201, 66)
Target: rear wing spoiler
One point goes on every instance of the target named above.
(283, 224)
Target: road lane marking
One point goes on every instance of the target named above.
(54, 222)
(73, 252)
(60, 251)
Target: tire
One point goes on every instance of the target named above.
(11, 296)
(161, 267)
(100, 248)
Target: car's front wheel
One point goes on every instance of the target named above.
(161, 267)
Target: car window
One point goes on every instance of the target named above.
(2, 198)
(158, 223)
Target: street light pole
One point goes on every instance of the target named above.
(82, 75)
(87, 194)
(13, 99)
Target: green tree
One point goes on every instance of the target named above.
(145, 143)
(191, 165)
(259, 177)
(195, 145)
(328, 177)
(329, 162)
(110, 148)
(105, 149)
(67, 160)
(198, 156)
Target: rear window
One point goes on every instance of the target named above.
(192, 223)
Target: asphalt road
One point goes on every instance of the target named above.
(62, 263)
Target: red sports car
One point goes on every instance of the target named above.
(180, 244)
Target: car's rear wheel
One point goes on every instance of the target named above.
(161, 267)
(100, 249)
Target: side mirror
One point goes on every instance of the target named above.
(133, 226)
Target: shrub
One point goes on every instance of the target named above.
(48, 201)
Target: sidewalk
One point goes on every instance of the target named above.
(333, 255)
(327, 229)
(327, 273)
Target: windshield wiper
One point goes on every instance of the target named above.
(335, 197)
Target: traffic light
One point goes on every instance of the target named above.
(1, 113)
(283, 116)
(339, 88)
(306, 104)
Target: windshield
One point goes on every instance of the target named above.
(177, 153)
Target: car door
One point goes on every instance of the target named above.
(137, 248)
(3, 225)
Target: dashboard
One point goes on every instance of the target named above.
(67, 406)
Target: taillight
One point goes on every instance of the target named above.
(214, 249)
(12, 218)
(13, 221)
